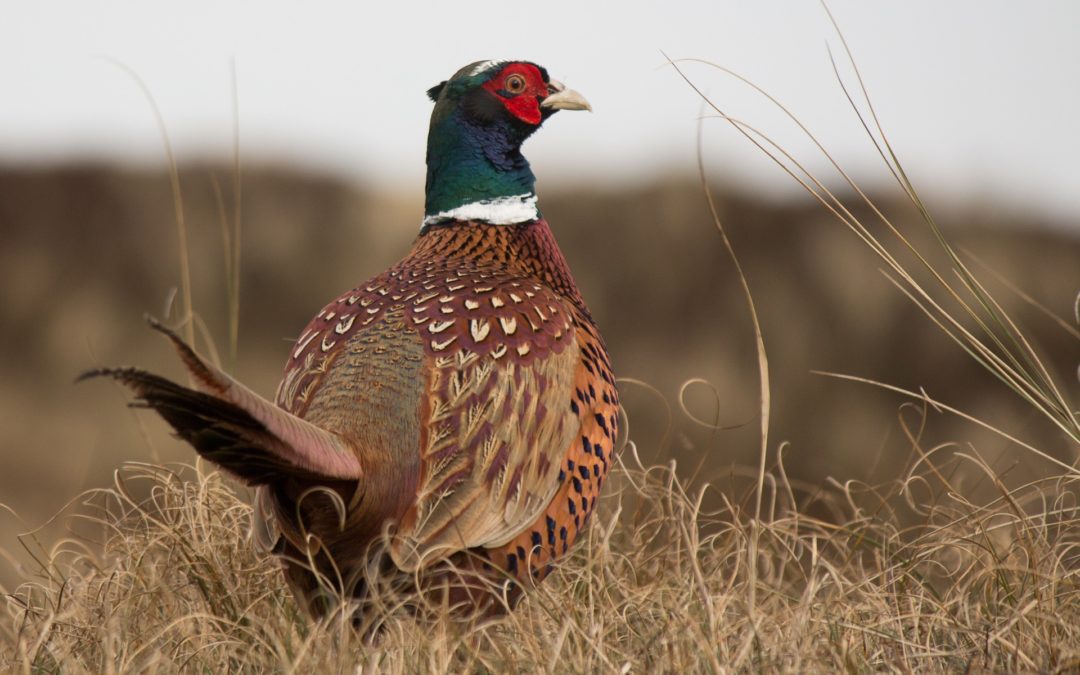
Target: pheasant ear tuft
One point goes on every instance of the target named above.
(434, 92)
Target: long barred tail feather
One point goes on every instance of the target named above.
(220, 431)
(233, 426)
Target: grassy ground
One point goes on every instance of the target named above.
(658, 585)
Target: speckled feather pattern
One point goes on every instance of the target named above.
(516, 418)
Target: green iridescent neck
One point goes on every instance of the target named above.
(475, 171)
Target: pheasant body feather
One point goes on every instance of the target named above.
(517, 420)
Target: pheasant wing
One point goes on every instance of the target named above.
(497, 418)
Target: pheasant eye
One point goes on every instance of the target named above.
(515, 84)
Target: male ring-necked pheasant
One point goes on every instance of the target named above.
(462, 400)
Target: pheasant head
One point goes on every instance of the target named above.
(482, 115)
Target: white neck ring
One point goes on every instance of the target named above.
(498, 211)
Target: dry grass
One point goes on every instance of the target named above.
(658, 585)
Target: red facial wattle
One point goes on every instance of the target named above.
(524, 105)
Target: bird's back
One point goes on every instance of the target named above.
(473, 376)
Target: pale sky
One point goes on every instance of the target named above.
(980, 98)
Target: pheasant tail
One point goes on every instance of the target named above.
(234, 427)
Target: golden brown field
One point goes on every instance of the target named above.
(920, 516)
(892, 535)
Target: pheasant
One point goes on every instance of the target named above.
(459, 407)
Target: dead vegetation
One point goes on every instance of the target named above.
(659, 584)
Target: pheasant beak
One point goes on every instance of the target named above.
(561, 98)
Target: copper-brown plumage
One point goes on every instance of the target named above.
(459, 406)
(516, 419)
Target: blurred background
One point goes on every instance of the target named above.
(324, 106)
